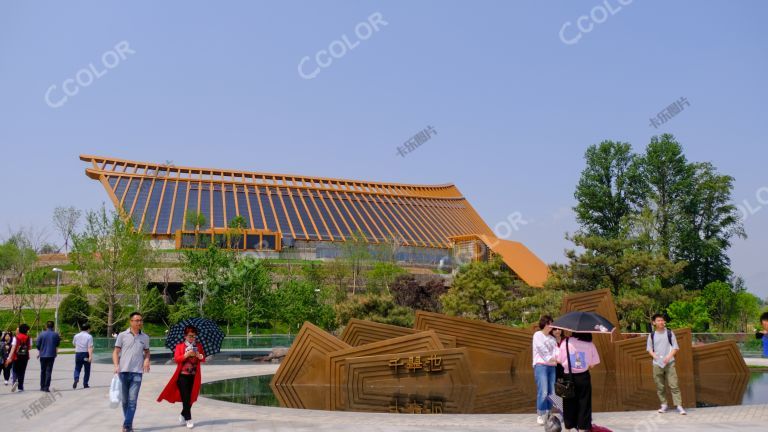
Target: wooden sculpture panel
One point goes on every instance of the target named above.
(722, 373)
(359, 332)
(491, 340)
(422, 341)
(422, 381)
(306, 365)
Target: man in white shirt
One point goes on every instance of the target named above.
(83, 343)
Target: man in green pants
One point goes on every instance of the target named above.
(662, 345)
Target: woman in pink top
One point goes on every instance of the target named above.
(578, 355)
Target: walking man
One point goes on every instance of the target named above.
(47, 347)
(83, 343)
(662, 345)
(131, 359)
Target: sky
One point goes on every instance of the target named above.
(515, 91)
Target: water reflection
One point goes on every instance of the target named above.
(509, 394)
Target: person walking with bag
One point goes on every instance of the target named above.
(544, 362)
(131, 360)
(662, 346)
(578, 355)
(19, 357)
(184, 385)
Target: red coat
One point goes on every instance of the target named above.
(171, 390)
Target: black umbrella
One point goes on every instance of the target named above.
(208, 334)
(583, 322)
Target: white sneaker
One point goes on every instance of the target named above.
(663, 408)
(540, 420)
(190, 425)
(181, 419)
(6, 382)
(681, 410)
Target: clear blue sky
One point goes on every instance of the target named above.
(217, 84)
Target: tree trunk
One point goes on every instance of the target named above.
(110, 316)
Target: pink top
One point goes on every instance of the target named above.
(582, 355)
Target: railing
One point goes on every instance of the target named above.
(747, 343)
(229, 343)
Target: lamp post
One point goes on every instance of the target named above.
(58, 298)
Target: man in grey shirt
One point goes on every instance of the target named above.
(83, 343)
(662, 346)
(131, 359)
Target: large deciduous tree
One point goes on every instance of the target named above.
(603, 190)
(112, 257)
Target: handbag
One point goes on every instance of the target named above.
(564, 386)
(115, 392)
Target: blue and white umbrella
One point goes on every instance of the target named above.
(208, 334)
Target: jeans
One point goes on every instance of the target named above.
(185, 384)
(545, 386)
(81, 363)
(131, 382)
(667, 377)
(46, 370)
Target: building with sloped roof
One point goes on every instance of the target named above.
(270, 214)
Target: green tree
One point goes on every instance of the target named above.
(17, 258)
(236, 229)
(603, 189)
(111, 257)
(299, 300)
(205, 272)
(250, 292)
(613, 263)
(692, 314)
(664, 181)
(154, 309)
(75, 309)
(747, 308)
(528, 304)
(381, 276)
(480, 291)
(721, 302)
(355, 253)
(376, 308)
(709, 223)
(195, 221)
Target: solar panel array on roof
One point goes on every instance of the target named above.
(157, 198)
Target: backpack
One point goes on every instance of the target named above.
(23, 350)
(669, 337)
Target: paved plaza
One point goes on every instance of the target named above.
(88, 410)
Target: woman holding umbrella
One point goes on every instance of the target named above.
(184, 386)
(578, 355)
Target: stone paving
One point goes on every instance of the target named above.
(88, 410)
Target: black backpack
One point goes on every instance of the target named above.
(23, 350)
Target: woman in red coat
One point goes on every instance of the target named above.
(184, 386)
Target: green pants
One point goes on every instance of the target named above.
(664, 378)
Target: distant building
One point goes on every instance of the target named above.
(304, 217)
